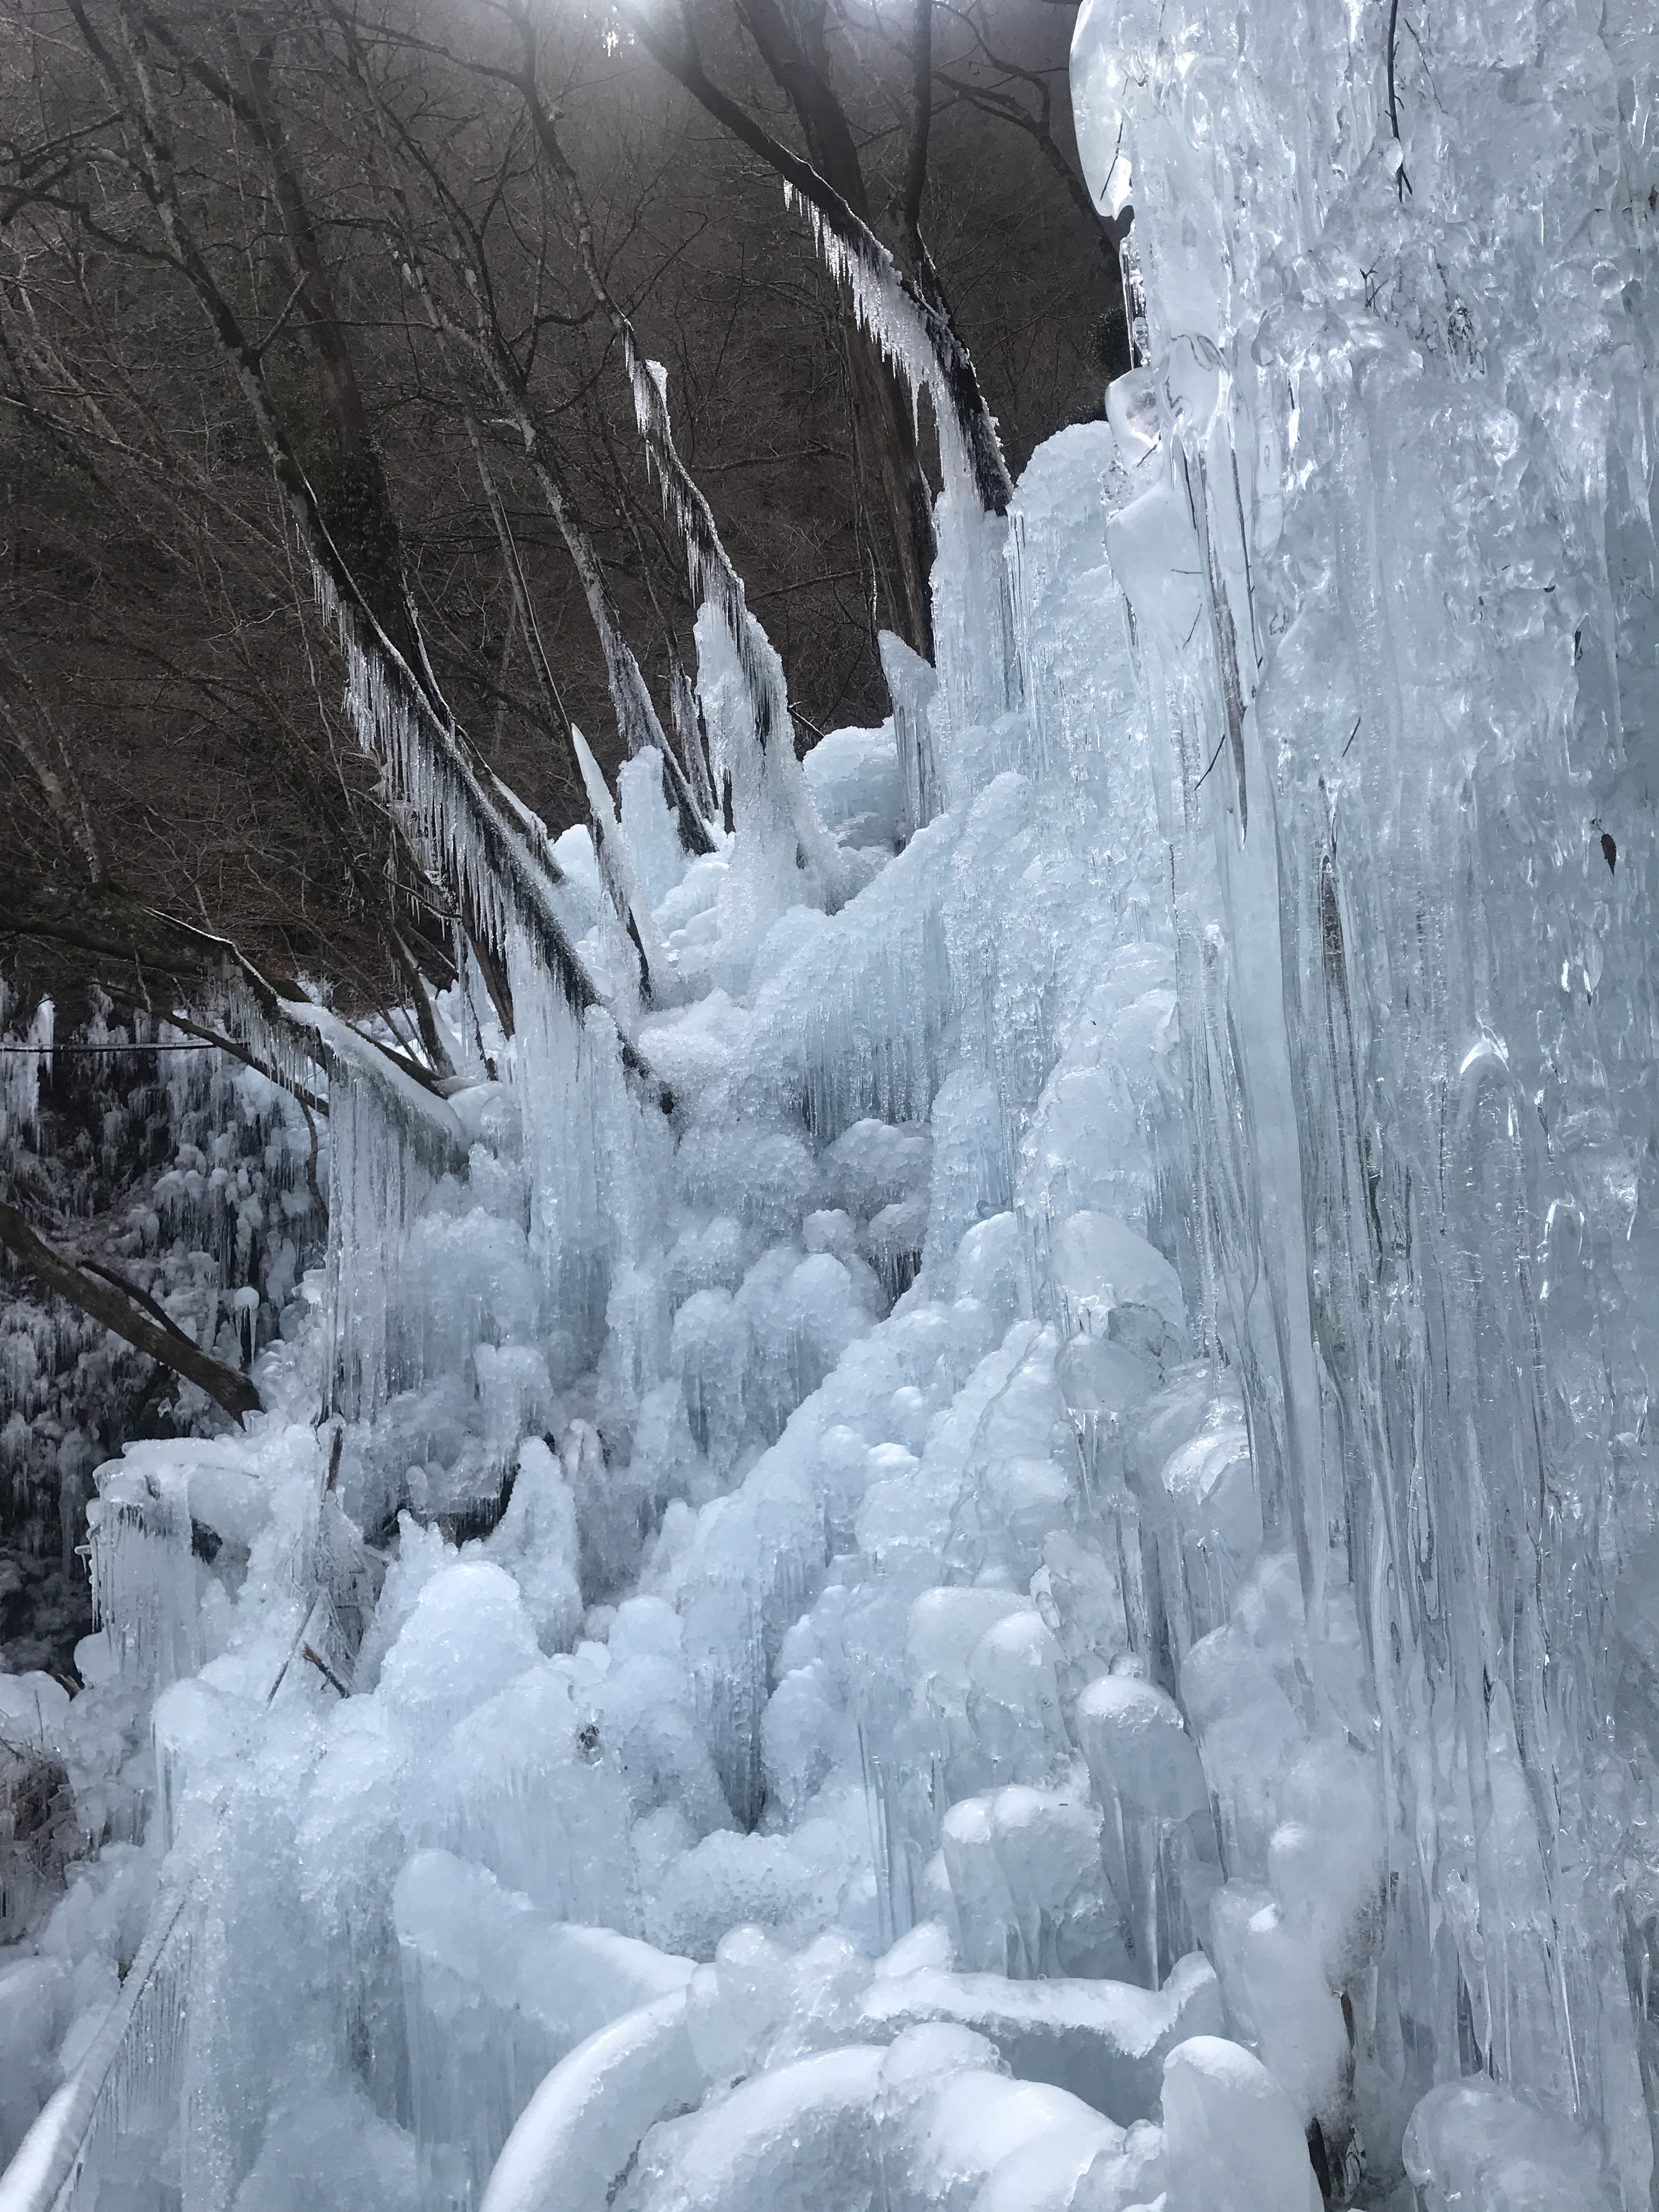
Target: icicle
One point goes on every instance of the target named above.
(658, 974)
(143, 1574)
(596, 1160)
(911, 685)
(495, 855)
(716, 582)
(21, 1070)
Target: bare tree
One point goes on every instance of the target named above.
(155, 595)
(1015, 93)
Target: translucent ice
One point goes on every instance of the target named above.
(1080, 1533)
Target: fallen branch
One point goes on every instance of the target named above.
(169, 1347)
(157, 1312)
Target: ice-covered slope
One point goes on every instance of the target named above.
(1083, 1634)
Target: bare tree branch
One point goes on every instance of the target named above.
(169, 1346)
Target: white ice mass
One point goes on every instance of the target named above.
(1077, 1623)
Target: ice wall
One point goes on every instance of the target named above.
(1392, 577)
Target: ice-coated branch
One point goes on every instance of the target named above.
(691, 825)
(627, 690)
(636, 715)
(427, 1125)
(892, 305)
(154, 953)
(309, 1103)
(682, 711)
(714, 579)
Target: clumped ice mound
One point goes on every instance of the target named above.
(1045, 1598)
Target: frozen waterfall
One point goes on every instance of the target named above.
(1044, 1598)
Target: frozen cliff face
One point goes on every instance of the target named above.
(1047, 1598)
(1393, 428)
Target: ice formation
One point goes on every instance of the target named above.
(1046, 1597)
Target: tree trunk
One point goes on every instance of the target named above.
(886, 443)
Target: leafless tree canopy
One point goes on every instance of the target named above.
(375, 207)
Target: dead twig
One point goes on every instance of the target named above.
(1402, 182)
(324, 1669)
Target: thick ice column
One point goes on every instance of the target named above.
(975, 636)
(595, 1158)
(1230, 134)
(380, 1176)
(1414, 931)
(22, 1066)
(912, 685)
(1159, 1839)
(1181, 551)
(143, 1571)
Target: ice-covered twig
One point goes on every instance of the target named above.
(310, 1103)
(620, 876)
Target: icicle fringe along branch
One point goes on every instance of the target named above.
(914, 331)
(483, 837)
(715, 581)
(140, 2037)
